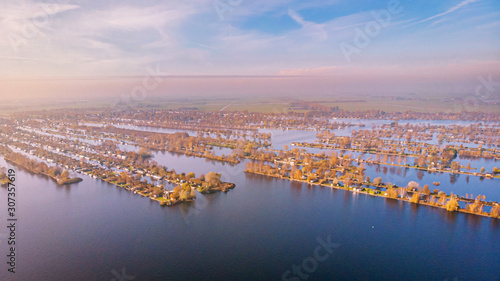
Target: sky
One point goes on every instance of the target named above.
(358, 45)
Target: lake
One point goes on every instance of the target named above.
(258, 231)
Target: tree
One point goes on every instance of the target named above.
(123, 177)
(452, 204)
(190, 176)
(402, 192)
(361, 167)
(157, 190)
(482, 170)
(65, 175)
(297, 174)
(442, 198)
(413, 185)
(175, 192)
(213, 179)
(392, 193)
(495, 211)
(415, 197)
(3, 174)
(311, 177)
(192, 194)
(427, 191)
(144, 153)
(183, 195)
(377, 181)
(335, 181)
(347, 181)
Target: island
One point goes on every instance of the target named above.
(118, 147)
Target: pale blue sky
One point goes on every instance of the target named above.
(451, 38)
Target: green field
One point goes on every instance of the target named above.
(260, 104)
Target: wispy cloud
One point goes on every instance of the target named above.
(313, 29)
(258, 37)
(17, 16)
(451, 10)
(298, 19)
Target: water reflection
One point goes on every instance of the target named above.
(392, 170)
(414, 209)
(453, 178)
(472, 222)
(495, 224)
(450, 217)
(296, 189)
(345, 198)
(393, 204)
(420, 174)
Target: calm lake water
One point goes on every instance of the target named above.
(257, 231)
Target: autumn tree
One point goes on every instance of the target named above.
(427, 191)
(495, 211)
(144, 153)
(413, 185)
(175, 192)
(157, 190)
(297, 174)
(213, 179)
(442, 198)
(3, 174)
(190, 175)
(64, 175)
(452, 204)
(311, 177)
(392, 193)
(415, 198)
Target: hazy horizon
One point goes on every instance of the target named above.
(280, 48)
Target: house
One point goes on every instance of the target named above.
(166, 194)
